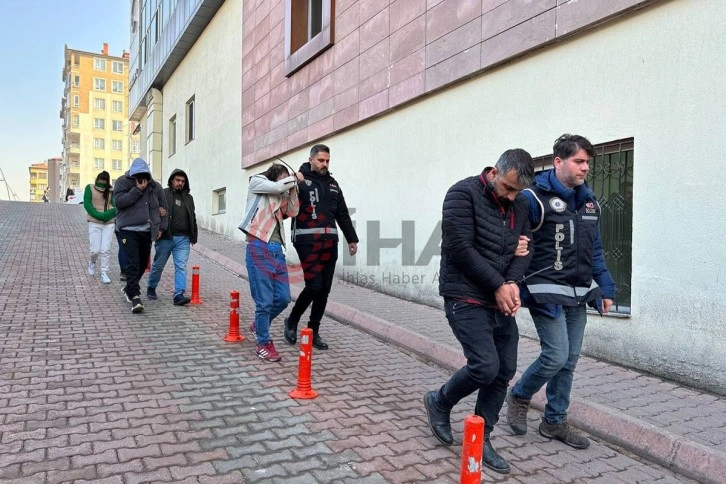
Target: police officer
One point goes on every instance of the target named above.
(567, 272)
(315, 238)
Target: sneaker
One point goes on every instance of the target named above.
(565, 433)
(136, 305)
(181, 300)
(252, 329)
(267, 352)
(517, 413)
(105, 279)
(151, 293)
(122, 276)
(91, 268)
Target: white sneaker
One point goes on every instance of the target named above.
(105, 279)
(91, 268)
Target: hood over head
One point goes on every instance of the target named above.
(176, 172)
(139, 166)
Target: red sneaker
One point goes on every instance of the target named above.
(267, 351)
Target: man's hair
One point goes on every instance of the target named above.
(569, 144)
(519, 160)
(317, 149)
(274, 172)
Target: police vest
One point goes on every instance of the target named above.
(564, 239)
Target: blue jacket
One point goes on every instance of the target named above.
(575, 198)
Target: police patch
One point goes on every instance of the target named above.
(590, 208)
(308, 182)
(558, 205)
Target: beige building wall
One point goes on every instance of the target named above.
(654, 76)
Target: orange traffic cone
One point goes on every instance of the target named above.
(472, 450)
(304, 388)
(234, 336)
(195, 286)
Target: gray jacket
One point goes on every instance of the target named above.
(135, 207)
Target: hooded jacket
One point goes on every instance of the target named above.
(321, 205)
(568, 267)
(188, 201)
(135, 207)
(268, 204)
(478, 238)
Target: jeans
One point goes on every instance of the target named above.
(178, 247)
(561, 342)
(100, 236)
(318, 263)
(137, 247)
(123, 262)
(269, 284)
(489, 340)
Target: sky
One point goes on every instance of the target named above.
(32, 36)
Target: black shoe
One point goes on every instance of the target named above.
(151, 293)
(494, 461)
(290, 331)
(136, 305)
(181, 300)
(318, 342)
(439, 421)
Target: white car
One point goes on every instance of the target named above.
(75, 200)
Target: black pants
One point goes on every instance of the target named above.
(489, 340)
(137, 248)
(318, 263)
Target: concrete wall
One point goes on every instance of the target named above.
(652, 76)
(210, 72)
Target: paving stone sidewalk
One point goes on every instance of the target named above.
(90, 392)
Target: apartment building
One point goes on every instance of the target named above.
(38, 181)
(97, 134)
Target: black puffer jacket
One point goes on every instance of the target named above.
(479, 237)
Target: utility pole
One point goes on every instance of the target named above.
(7, 186)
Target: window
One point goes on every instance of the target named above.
(118, 106)
(76, 121)
(135, 148)
(98, 163)
(117, 86)
(118, 67)
(172, 135)
(190, 126)
(99, 65)
(99, 143)
(219, 200)
(117, 145)
(116, 164)
(76, 101)
(99, 123)
(76, 80)
(611, 179)
(99, 103)
(117, 125)
(308, 31)
(99, 84)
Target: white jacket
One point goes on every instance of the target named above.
(268, 203)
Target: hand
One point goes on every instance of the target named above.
(606, 305)
(522, 247)
(158, 236)
(162, 211)
(353, 248)
(507, 297)
(141, 184)
(299, 176)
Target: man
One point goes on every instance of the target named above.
(141, 217)
(315, 238)
(177, 239)
(483, 219)
(567, 272)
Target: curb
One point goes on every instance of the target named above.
(688, 458)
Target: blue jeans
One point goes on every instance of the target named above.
(561, 342)
(178, 247)
(269, 284)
